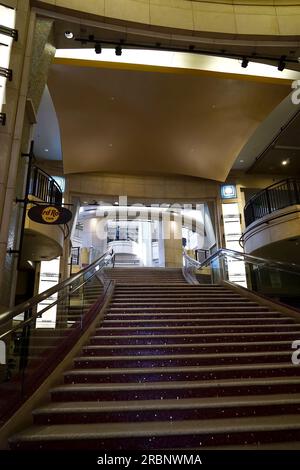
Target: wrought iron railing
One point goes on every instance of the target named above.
(283, 194)
(44, 187)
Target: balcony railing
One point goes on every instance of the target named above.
(283, 194)
(44, 187)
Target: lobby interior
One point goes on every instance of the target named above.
(168, 132)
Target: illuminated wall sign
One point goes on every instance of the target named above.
(7, 35)
(232, 233)
(50, 215)
(228, 191)
(49, 276)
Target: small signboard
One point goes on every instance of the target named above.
(50, 215)
(228, 191)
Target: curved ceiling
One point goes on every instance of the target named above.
(142, 122)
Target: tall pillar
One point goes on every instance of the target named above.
(30, 70)
(172, 233)
(11, 142)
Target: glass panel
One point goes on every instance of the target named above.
(278, 281)
(33, 344)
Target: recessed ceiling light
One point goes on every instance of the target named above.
(284, 162)
(46, 150)
(241, 161)
(69, 35)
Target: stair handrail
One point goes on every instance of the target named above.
(106, 258)
(223, 252)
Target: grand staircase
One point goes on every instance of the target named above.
(176, 366)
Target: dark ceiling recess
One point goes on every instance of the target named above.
(282, 155)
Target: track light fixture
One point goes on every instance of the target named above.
(118, 50)
(98, 48)
(69, 35)
(281, 64)
(245, 62)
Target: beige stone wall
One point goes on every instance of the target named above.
(263, 17)
(143, 187)
(172, 231)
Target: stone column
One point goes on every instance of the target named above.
(11, 140)
(30, 70)
(172, 233)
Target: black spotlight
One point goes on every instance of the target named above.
(281, 63)
(98, 48)
(118, 50)
(245, 62)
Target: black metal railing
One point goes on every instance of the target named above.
(44, 187)
(283, 194)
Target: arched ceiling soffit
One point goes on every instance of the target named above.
(138, 122)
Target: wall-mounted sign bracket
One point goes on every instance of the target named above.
(12, 33)
(6, 73)
(2, 119)
(12, 252)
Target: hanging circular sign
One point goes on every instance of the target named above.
(50, 215)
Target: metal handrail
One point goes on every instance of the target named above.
(266, 189)
(29, 304)
(280, 265)
(51, 197)
(268, 196)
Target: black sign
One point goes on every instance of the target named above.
(50, 215)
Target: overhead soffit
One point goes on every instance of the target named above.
(286, 148)
(142, 122)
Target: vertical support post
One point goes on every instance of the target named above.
(27, 187)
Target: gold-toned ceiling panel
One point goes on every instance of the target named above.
(137, 122)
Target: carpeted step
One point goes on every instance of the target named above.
(100, 338)
(182, 322)
(176, 366)
(89, 374)
(175, 389)
(138, 331)
(162, 349)
(171, 360)
(164, 410)
(160, 434)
